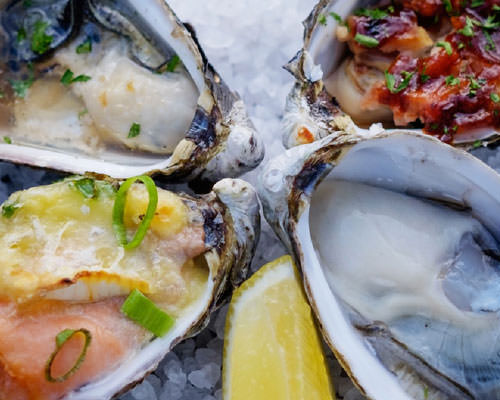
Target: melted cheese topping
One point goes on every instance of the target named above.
(60, 244)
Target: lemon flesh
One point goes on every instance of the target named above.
(272, 348)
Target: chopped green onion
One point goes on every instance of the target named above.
(173, 63)
(390, 81)
(476, 3)
(376, 13)
(21, 35)
(451, 80)
(2, 94)
(82, 113)
(337, 18)
(21, 87)
(41, 42)
(67, 78)
(495, 97)
(85, 47)
(8, 210)
(366, 41)
(476, 144)
(461, 46)
(61, 338)
(119, 208)
(7, 140)
(447, 6)
(86, 186)
(135, 130)
(446, 46)
(426, 392)
(322, 19)
(491, 44)
(490, 23)
(496, 7)
(424, 77)
(144, 312)
(467, 30)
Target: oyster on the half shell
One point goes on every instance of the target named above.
(420, 65)
(63, 269)
(397, 237)
(120, 88)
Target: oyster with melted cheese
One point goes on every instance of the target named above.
(85, 314)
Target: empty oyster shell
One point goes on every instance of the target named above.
(65, 270)
(120, 88)
(397, 238)
(339, 80)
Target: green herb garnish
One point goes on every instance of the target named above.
(82, 113)
(451, 80)
(67, 78)
(491, 44)
(21, 35)
(135, 130)
(376, 13)
(366, 41)
(475, 84)
(40, 42)
(8, 210)
(476, 144)
(322, 19)
(337, 18)
(7, 140)
(147, 314)
(21, 87)
(476, 3)
(173, 63)
(490, 23)
(390, 81)
(424, 77)
(495, 98)
(61, 338)
(86, 186)
(119, 208)
(447, 46)
(85, 47)
(447, 6)
(468, 29)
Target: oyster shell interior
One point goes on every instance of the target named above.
(399, 249)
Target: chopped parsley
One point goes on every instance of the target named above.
(376, 13)
(475, 84)
(7, 140)
(68, 78)
(86, 187)
(8, 210)
(40, 42)
(337, 18)
(476, 144)
(366, 41)
(173, 63)
(467, 30)
(461, 45)
(490, 23)
(20, 87)
(85, 47)
(135, 130)
(447, 46)
(495, 98)
(451, 80)
(491, 44)
(322, 19)
(21, 35)
(476, 3)
(390, 81)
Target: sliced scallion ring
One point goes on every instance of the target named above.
(119, 208)
(61, 338)
(147, 314)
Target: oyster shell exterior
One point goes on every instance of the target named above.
(140, 39)
(425, 361)
(229, 218)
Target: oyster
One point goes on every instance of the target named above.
(120, 88)
(425, 66)
(64, 270)
(397, 237)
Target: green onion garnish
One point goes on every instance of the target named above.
(173, 63)
(495, 97)
(322, 19)
(61, 338)
(451, 80)
(8, 210)
(68, 78)
(7, 139)
(135, 130)
(366, 41)
(86, 186)
(85, 47)
(390, 81)
(119, 208)
(144, 312)
(447, 46)
(41, 42)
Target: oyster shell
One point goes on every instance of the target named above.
(117, 88)
(397, 239)
(64, 269)
(337, 83)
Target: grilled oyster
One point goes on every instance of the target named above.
(397, 238)
(120, 88)
(423, 65)
(65, 273)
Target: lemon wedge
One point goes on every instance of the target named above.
(272, 348)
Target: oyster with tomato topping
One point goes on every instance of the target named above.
(98, 284)
(120, 88)
(428, 65)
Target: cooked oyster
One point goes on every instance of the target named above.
(116, 87)
(424, 65)
(398, 240)
(64, 269)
